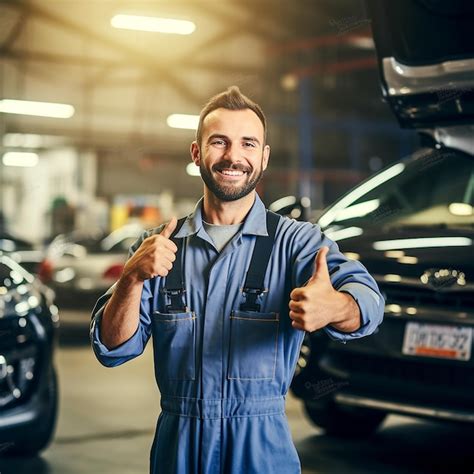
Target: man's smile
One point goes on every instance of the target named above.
(230, 174)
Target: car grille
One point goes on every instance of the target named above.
(394, 370)
(416, 296)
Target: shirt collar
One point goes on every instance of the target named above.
(255, 222)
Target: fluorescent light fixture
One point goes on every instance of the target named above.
(357, 210)
(359, 191)
(39, 109)
(192, 169)
(31, 140)
(17, 158)
(188, 122)
(153, 24)
(460, 209)
(344, 233)
(422, 242)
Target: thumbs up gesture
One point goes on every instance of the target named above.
(317, 304)
(154, 257)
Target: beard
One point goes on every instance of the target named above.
(231, 192)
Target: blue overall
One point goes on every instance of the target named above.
(224, 373)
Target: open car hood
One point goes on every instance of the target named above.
(426, 60)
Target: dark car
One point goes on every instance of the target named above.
(23, 252)
(28, 382)
(412, 226)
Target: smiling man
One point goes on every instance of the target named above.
(227, 294)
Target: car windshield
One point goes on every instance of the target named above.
(435, 187)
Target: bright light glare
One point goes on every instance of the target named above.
(344, 233)
(359, 191)
(39, 109)
(422, 242)
(188, 122)
(153, 24)
(23, 159)
(192, 170)
(282, 202)
(357, 210)
(460, 209)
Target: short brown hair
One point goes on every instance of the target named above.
(231, 99)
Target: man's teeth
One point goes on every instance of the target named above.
(232, 173)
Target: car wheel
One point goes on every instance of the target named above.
(40, 436)
(344, 421)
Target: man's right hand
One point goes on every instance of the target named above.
(154, 257)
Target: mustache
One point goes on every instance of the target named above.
(231, 166)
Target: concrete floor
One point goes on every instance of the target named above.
(107, 420)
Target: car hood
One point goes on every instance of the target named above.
(426, 60)
(410, 252)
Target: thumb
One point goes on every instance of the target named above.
(321, 270)
(170, 227)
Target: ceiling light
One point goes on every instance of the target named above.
(153, 24)
(192, 169)
(422, 242)
(23, 159)
(40, 109)
(189, 122)
(31, 140)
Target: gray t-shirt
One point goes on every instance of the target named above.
(221, 235)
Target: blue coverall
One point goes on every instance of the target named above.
(223, 374)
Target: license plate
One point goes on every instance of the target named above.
(433, 340)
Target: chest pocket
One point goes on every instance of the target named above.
(253, 345)
(174, 345)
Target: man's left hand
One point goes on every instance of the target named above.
(318, 304)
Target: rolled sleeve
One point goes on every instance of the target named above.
(129, 349)
(347, 275)
(371, 305)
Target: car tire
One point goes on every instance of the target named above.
(39, 437)
(337, 420)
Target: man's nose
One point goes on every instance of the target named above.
(232, 153)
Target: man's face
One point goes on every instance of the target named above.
(232, 156)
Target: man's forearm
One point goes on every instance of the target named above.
(121, 315)
(348, 318)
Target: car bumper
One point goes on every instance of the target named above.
(373, 373)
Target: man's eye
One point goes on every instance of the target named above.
(251, 144)
(218, 142)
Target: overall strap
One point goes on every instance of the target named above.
(174, 284)
(253, 286)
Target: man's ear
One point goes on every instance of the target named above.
(195, 153)
(266, 156)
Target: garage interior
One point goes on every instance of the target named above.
(117, 154)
